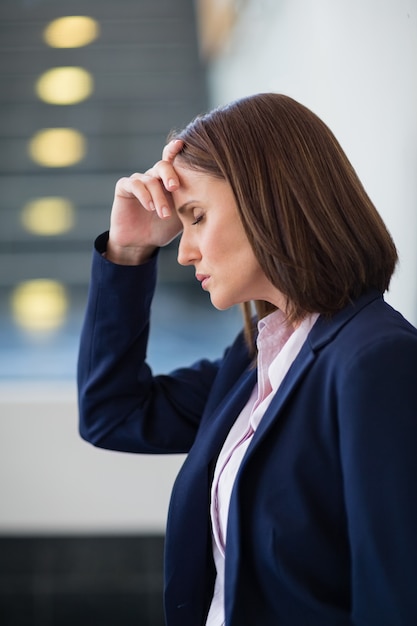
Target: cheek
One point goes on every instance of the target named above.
(218, 246)
(244, 253)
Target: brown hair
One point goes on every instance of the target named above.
(314, 230)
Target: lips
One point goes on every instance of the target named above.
(202, 278)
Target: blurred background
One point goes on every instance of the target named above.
(89, 91)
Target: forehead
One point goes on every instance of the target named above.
(190, 176)
(195, 185)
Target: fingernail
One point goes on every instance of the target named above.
(172, 183)
(165, 212)
(152, 206)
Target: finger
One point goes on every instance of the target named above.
(171, 150)
(165, 171)
(135, 186)
(151, 193)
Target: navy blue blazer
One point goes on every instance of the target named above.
(322, 527)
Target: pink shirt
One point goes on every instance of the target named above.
(278, 345)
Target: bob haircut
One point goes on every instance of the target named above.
(315, 232)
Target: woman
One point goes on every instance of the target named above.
(296, 503)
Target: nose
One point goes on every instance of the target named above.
(188, 252)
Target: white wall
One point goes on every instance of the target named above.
(354, 62)
(51, 481)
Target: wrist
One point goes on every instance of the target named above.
(128, 255)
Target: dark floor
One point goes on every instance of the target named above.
(81, 581)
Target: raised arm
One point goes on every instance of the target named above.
(122, 405)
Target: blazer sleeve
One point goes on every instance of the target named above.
(122, 406)
(378, 439)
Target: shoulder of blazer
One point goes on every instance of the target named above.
(326, 328)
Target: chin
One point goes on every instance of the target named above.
(221, 305)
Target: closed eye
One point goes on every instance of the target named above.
(197, 220)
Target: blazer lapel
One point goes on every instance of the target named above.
(322, 333)
(301, 364)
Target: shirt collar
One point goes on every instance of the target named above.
(278, 344)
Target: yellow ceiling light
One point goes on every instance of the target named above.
(39, 305)
(57, 147)
(64, 85)
(48, 216)
(73, 31)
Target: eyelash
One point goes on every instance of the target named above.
(197, 220)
